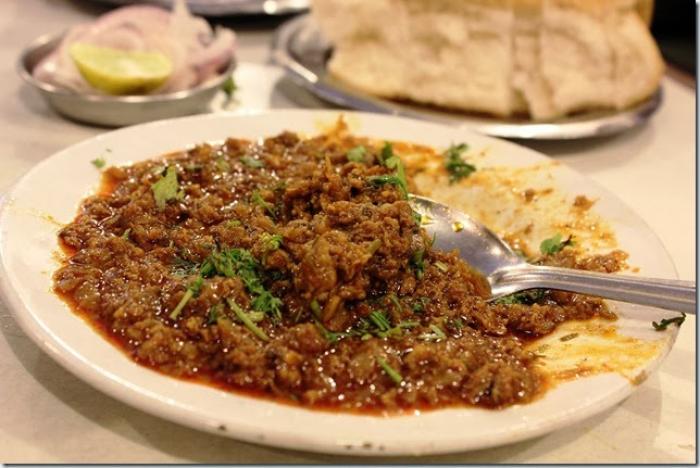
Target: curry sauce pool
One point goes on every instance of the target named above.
(295, 269)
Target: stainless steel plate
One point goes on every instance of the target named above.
(116, 111)
(300, 48)
(229, 7)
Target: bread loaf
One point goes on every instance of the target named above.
(542, 58)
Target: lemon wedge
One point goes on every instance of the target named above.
(121, 72)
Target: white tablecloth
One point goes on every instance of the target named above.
(48, 415)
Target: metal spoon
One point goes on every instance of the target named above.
(508, 273)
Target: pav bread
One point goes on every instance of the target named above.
(540, 58)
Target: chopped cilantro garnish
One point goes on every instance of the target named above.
(192, 291)
(245, 318)
(395, 300)
(525, 297)
(257, 199)
(443, 267)
(213, 315)
(391, 161)
(388, 179)
(315, 308)
(241, 263)
(265, 302)
(555, 244)
(229, 87)
(378, 324)
(357, 154)
(568, 337)
(380, 320)
(664, 323)
(252, 162)
(418, 263)
(167, 188)
(271, 242)
(232, 223)
(394, 162)
(456, 167)
(418, 307)
(222, 164)
(184, 267)
(390, 371)
(436, 335)
(457, 323)
(386, 153)
(417, 217)
(99, 162)
(330, 336)
(126, 233)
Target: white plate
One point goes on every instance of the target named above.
(54, 188)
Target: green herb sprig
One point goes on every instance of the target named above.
(229, 87)
(456, 167)
(167, 188)
(417, 262)
(192, 291)
(99, 162)
(436, 335)
(529, 297)
(357, 154)
(392, 373)
(245, 318)
(391, 161)
(252, 162)
(664, 323)
(555, 244)
(258, 200)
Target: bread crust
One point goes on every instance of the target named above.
(545, 58)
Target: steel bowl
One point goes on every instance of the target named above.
(115, 111)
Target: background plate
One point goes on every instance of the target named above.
(28, 246)
(302, 51)
(229, 7)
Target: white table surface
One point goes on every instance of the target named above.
(48, 415)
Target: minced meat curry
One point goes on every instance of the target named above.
(296, 269)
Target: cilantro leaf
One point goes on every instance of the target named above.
(99, 162)
(222, 164)
(529, 297)
(456, 167)
(664, 323)
(257, 199)
(386, 153)
(390, 371)
(252, 162)
(555, 244)
(167, 188)
(380, 320)
(241, 263)
(192, 291)
(229, 87)
(389, 180)
(246, 319)
(357, 154)
(418, 263)
(271, 242)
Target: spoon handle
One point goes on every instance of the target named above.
(665, 294)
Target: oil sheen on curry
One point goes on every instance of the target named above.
(294, 269)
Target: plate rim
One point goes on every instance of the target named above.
(569, 128)
(218, 9)
(136, 397)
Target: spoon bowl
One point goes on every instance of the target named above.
(508, 273)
